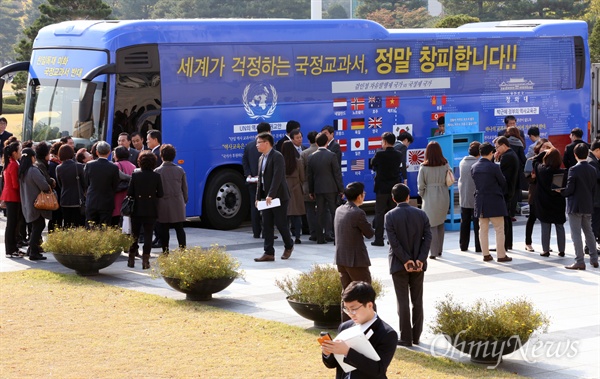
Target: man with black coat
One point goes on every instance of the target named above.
(509, 165)
(576, 136)
(101, 178)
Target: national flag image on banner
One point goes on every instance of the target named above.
(357, 164)
(433, 100)
(375, 122)
(374, 102)
(340, 104)
(392, 101)
(414, 159)
(357, 103)
(444, 99)
(357, 123)
(374, 143)
(401, 128)
(357, 144)
(341, 124)
(344, 166)
(343, 145)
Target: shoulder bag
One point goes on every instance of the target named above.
(450, 177)
(46, 201)
(127, 206)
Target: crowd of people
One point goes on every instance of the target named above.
(90, 187)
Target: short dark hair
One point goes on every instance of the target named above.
(533, 131)
(400, 192)
(147, 160)
(42, 150)
(134, 134)
(509, 118)
(65, 152)
(126, 135)
(354, 190)
(577, 132)
(3, 119)
(388, 137)
(294, 133)
(595, 145)
(312, 136)
(122, 153)
(485, 149)
(581, 150)
(441, 120)
(56, 146)
(263, 127)
(474, 148)
(502, 141)
(80, 156)
(266, 137)
(362, 292)
(291, 125)
(405, 135)
(65, 139)
(155, 134)
(167, 152)
(322, 140)
(329, 128)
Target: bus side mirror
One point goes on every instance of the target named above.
(86, 100)
(1, 94)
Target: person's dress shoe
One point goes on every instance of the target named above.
(265, 258)
(432, 257)
(487, 258)
(37, 257)
(561, 254)
(576, 266)
(287, 253)
(297, 241)
(416, 342)
(321, 242)
(404, 343)
(461, 249)
(329, 239)
(312, 238)
(256, 236)
(377, 243)
(545, 254)
(594, 265)
(529, 248)
(504, 259)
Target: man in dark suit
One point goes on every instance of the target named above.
(101, 178)
(409, 234)
(250, 165)
(359, 302)
(509, 165)
(350, 224)
(271, 185)
(576, 138)
(579, 191)
(386, 164)
(325, 184)
(592, 159)
(4, 135)
(332, 144)
(403, 142)
(125, 141)
(291, 125)
(153, 141)
(490, 189)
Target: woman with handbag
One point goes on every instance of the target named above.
(12, 199)
(121, 159)
(31, 184)
(433, 189)
(145, 188)
(69, 175)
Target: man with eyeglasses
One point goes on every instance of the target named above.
(358, 302)
(409, 234)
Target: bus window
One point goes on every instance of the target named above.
(137, 104)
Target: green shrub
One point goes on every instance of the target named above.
(81, 241)
(12, 108)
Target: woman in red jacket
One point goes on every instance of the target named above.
(10, 195)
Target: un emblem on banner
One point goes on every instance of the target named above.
(260, 100)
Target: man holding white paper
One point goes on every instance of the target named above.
(361, 360)
(272, 185)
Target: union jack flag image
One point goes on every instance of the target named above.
(375, 122)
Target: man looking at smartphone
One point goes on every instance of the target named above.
(409, 234)
(358, 300)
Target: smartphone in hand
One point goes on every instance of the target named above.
(324, 337)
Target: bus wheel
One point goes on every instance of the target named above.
(225, 200)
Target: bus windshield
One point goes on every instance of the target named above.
(51, 106)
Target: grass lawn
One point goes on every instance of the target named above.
(65, 326)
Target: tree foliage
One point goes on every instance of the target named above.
(455, 21)
(368, 7)
(10, 19)
(133, 9)
(401, 17)
(296, 9)
(336, 11)
(495, 10)
(594, 43)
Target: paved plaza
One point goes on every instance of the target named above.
(571, 298)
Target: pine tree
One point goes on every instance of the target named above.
(10, 19)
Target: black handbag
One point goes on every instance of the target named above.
(81, 197)
(127, 206)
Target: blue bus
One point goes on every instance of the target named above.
(206, 84)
